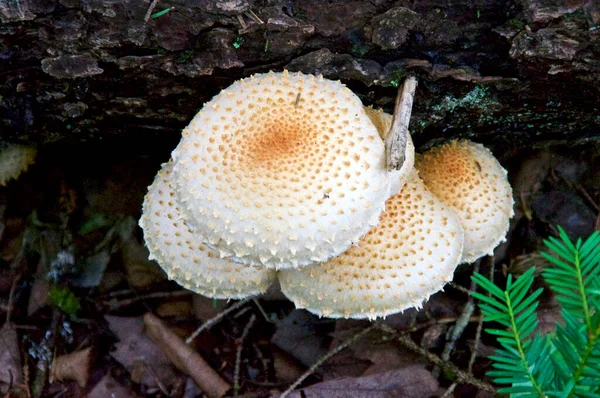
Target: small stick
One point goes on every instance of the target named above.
(261, 309)
(461, 323)
(114, 303)
(253, 15)
(242, 22)
(238, 355)
(150, 9)
(11, 297)
(395, 142)
(490, 261)
(325, 358)
(208, 324)
(449, 390)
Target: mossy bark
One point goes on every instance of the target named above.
(501, 72)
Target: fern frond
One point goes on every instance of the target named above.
(575, 281)
(515, 363)
(574, 273)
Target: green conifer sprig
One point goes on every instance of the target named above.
(565, 363)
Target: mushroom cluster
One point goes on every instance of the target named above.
(283, 176)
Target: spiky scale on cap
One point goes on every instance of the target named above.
(467, 177)
(410, 255)
(282, 155)
(184, 258)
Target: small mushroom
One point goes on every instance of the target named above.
(410, 255)
(184, 258)
(467, 177)
(281, 170)
(14, 160)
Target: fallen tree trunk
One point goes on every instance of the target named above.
(501, 72)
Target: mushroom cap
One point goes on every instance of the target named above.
(410, 255)
(14, 160)
(467, 177)
(185, 260)
(383, 123)
(281, 170)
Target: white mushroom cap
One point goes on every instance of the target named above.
(14, 160)
(467, 177)
(184, 258)
(281, 170)
(410, 255)
(383, 123)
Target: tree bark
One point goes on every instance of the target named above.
(500, 72)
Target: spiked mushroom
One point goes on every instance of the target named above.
(281, 170)
(410, 255)
(467, 177)
(187, 261)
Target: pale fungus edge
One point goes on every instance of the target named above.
(467, 177)
(181, 255)
(363, 284)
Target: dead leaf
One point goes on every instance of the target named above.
(109, 387)
(287, 368)
(10, 358)
(411, 382)
(175, 308)
(74, 366)
(142, 358)
(141, 272)
(185, 358)
(304, 336)
(434, 336)
(384, 354)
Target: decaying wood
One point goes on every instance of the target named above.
(395, 141)
(508, 74)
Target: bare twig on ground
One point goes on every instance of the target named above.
(439, 322)
(251, 14)
(11, 297)
(208, 324)
(150, 9)
(238, 355)
(185, 358)
(114, 303)
(325, 358)
(449, 390)
(458, 287)
(461, 323)
(261, 309)
(395, 141)
(490, 263)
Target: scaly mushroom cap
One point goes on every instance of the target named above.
(14, 160)
(410, 255)
(468, 178)
(281, 170)
(184, 258)
(383, 123)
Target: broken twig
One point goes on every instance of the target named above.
(185, 358)
(395, 142)
(208, 324)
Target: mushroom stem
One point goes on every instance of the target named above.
(395, 142)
